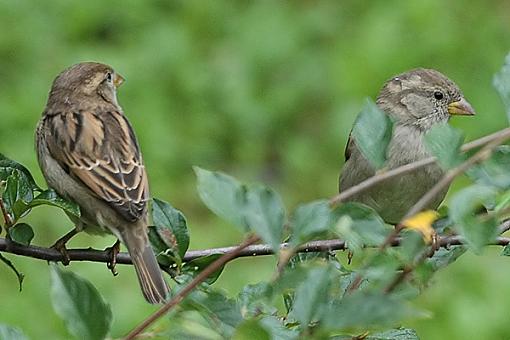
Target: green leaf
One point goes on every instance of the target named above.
(361, 310)
(8, 166)
(257, 207)
(268, 327)
(85, 313)
(424, 272)
(20, 276)
(501, 82)
(311, 295)
(494, 171)
(443, 257)
(277, 330)
(197, 265)
(253, 299)
(478, 231)
(372, 133)
(264, 213)
(251, 329)
(359, 225)
(21, 233)
(395, 334)
(11, 333)
(221, 312)
(444, 142)
(50, 197)
(17, 195)
(222, 194)
(506, 251)
(309, 220)
(171, 226)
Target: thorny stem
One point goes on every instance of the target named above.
(220, 262)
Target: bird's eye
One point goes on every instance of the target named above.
(109, 76)
(438, 95)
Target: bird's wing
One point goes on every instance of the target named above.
(349, 147)
(101, 150)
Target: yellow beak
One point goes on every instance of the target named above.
(461, 108)
(117, 79)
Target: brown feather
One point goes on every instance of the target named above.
(102, 152)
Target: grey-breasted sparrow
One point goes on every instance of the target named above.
(416, 100)
(88, 153)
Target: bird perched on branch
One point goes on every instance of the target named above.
(415, 100)
(89, 154)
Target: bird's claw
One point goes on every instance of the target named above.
(60, 246)
(113, 251)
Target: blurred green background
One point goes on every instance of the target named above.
(266, 91)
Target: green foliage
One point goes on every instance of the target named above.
(359, 225)
(311, 295)
(50, 197)
(264, 213)
(21, 233)
(372, 133)
(502, 84)
(494, 172)
(169, 235)
(317, 288)
(11, 333)
(79, 304)
(251, 329)
(17, 194)
(223, 194)
(361, 309)
(256, 207)
(269, 100)
(20, 193)
(310, 220)
(478, 231)
(8, 167)
(444, 142)
(199, 264)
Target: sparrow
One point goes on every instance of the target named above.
(89, 154)
(416, 101)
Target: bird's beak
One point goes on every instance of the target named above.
(118, 80)
(461, 108)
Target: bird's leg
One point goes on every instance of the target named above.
(113, 251)
(60, 245)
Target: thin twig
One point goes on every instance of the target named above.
(407, 168)
(176, 299)
(94, 255)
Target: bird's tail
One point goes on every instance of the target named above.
(150, 277)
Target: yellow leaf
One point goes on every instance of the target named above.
(422, 222)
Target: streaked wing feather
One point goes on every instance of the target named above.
(100, 149)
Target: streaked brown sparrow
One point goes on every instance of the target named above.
(89, 154)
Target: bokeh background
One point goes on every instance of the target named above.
(266, 91)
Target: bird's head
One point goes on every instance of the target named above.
(85, 80)
(422, 97)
